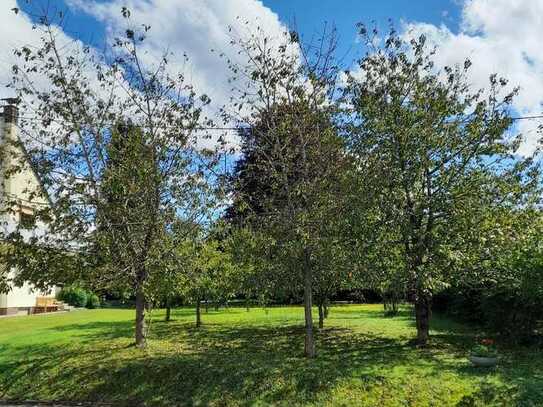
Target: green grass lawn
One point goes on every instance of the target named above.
(255, 357)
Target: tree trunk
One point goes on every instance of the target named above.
(207, 306)
(423, 315)
(141, 328)
(321, 316)
(198, 316)
(168, 312)
(308, 303)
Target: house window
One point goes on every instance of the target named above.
(27, 220)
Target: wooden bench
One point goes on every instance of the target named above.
(45, 304)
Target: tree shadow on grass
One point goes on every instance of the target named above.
(343, 311)
(215, 365)
(519, 371)
(228, 365)
(97, 330)
(107, 330)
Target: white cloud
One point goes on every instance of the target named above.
(499, 36)
(503, 37)
(193, 28)
(15, 31)
(188, 27)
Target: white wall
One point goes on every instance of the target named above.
(21, 297)
(18, 185)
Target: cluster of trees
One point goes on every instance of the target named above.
(395, 175)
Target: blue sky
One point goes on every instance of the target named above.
(308, 16)
(499, 36)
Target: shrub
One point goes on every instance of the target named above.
(74, 296)
(461, 303)
(511, 314)
(506, 311)
(93, 301)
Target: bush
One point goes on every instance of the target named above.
(93, 301)
(511, 314)
(506, 311)
(74, 296)
(461, 303)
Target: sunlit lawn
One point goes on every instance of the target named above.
(255, 357)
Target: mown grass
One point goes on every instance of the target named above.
(255, 357)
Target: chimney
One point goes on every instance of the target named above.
(11, 111)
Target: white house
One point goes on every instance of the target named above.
(17, 188)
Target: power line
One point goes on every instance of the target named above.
(528, 117)
(235, 129)
(158, 126)
(539, 116)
